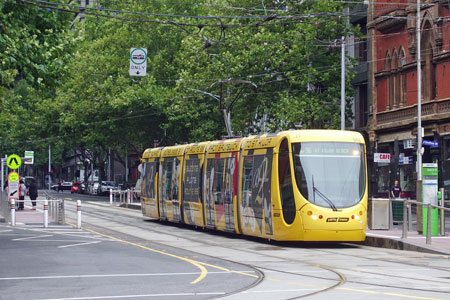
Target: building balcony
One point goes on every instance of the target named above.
(433, 110)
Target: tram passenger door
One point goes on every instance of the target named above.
(230, 173)
(209, 199)
(175, 190)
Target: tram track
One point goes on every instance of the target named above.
(339, 277)
(338, 280)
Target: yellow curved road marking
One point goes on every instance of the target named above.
(199, 265)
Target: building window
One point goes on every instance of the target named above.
(387, 69)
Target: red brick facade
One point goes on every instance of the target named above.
(393, 84)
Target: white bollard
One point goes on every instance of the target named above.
(128, 196)
(110, 197)
(79, 214)
(13, 212)
(45, 213)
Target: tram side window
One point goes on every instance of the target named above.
(219, 180)
(149, 179)
(285, 183)
(191, 190)
(229, 179)
(167, 178)
(175, 177)
(247, 178)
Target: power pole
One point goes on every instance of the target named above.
(49, 166)
(419, 100)
(343, 83)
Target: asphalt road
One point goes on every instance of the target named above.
(162, 260)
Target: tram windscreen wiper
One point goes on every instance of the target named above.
(315, 190)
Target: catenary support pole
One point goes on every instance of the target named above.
(49, 166)
(343, 84)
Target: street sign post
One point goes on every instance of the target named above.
(429, 195)
(430, 143)
(13, 161)
(28, 157)
(13, 185)
(138, 62)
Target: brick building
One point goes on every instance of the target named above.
(393, 90)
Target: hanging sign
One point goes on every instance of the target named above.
(382, 157)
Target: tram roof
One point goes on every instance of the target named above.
(231, 145)
(173, 151)
(324, 135)
(197, 148)
(152, 152)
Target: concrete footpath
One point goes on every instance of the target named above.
(414, 242)
(391, 239)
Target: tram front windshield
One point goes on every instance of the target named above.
(330, 174)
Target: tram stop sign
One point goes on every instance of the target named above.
(13, 185)
(13, 161)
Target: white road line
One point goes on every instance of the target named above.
(80, 244)
(32, 237)
(115, 275)
(5, 230)
(140, 296)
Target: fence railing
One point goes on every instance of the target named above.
(407, 213)
(123, 197)
(53, 207)
(56, 208)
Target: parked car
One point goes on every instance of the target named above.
(127, 185)
(77, 187)
(65, 186)
(105, 186)
(92, 188)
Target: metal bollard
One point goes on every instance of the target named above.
(429, 224)
(79, 214)
(409, 217)
(110, 197)
(45, 213)
(442, 219)
(13, 212)
(405, 220)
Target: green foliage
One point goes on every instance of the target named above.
(72, 88)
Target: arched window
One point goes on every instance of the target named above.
(428, 68)
(394, 81)
(402, 77)
(387, 69)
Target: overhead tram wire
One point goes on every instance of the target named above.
(265, 20)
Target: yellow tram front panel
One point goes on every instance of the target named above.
(322, 186)
(220, 185)
(192, 184)
(170, 178)
(149, 183)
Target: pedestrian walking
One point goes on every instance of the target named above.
(33, 192)
(22, 193)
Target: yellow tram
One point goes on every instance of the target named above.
(303, 185)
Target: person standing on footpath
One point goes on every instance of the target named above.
(33, 192)
(22, 193)
(396, 190)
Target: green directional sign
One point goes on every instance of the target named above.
(13, 161)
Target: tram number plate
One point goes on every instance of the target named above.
(337, 220)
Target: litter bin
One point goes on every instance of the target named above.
(397, 210)
(378, 213)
